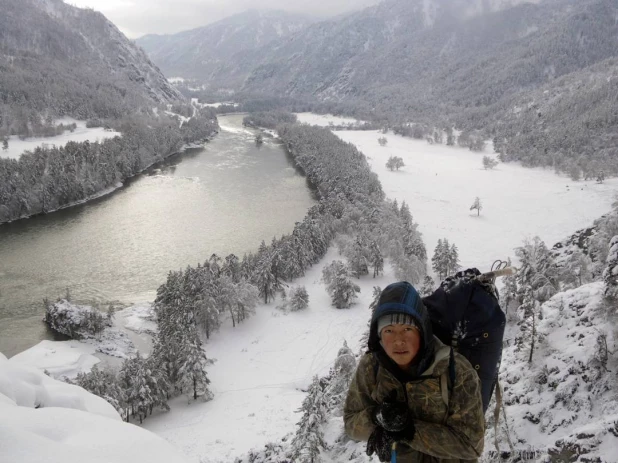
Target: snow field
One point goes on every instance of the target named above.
(324, 120)
(440, 183)
(80, 134)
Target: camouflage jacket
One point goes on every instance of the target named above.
(442, 436)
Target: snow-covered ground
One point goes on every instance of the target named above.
(324, 120)
(59, 358)
(263, 365)
(42, 419)
(440, 183)
(80, 134)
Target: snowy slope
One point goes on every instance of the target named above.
(42, 419)
(566, 397)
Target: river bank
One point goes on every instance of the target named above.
(119, 248)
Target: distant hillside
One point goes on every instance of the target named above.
(489, 65)
(202, 53)
(58, 60)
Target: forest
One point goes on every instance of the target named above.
(51, 177)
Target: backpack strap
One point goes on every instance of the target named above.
(447, 382)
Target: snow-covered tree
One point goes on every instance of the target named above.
(453, 260)
(428, 286)
(610, 274)
(395, 162)
(477, 205)
(158, 383)
(134, 378)
(489, 163)
(299, 298)
(509, 292)
(358, 257)
(376, 259)
(5, 144)
(244, 299)
(382, 141)
(309, 438)
(577, 269)
(528, 310)
(409, 268)
(103, 383)
(538, 270)
(339, 284)
(263, 276)
(338, 380)
(439, 259)
(193, 370)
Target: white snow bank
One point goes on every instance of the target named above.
(60, 359)
(80, 134)
(42, 419)
(25, 386)
(139, 318)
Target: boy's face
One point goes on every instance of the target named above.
(401, 343)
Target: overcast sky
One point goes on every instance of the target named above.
(139, 17)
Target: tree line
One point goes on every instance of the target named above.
(269, 119)
(52, 177)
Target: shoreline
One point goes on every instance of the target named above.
(120, 184)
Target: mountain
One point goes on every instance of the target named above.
(198, 53)
(473, 65)
(56, 60)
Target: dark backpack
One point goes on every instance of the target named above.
(466, 315)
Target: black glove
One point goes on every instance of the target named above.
(392, 416)
(381, 443)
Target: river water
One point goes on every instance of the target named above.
(225, 198)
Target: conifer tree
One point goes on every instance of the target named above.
(104, 384)
(263, 276)
(194, 369)
(440, 259)
(358, 257)
(576, 269)
(376, 259)
(610, 274)
(134, 378)
(477, 205)
(309, 438)
(299, 299)
(428, 286)
(338, 380)
(452, 264)
(538, 270)
(339, 285)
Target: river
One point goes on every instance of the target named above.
(225, 198)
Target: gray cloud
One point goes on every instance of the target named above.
(139, 17)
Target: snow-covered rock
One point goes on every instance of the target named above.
(565, 401)
(42, 419)
(59, 358)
